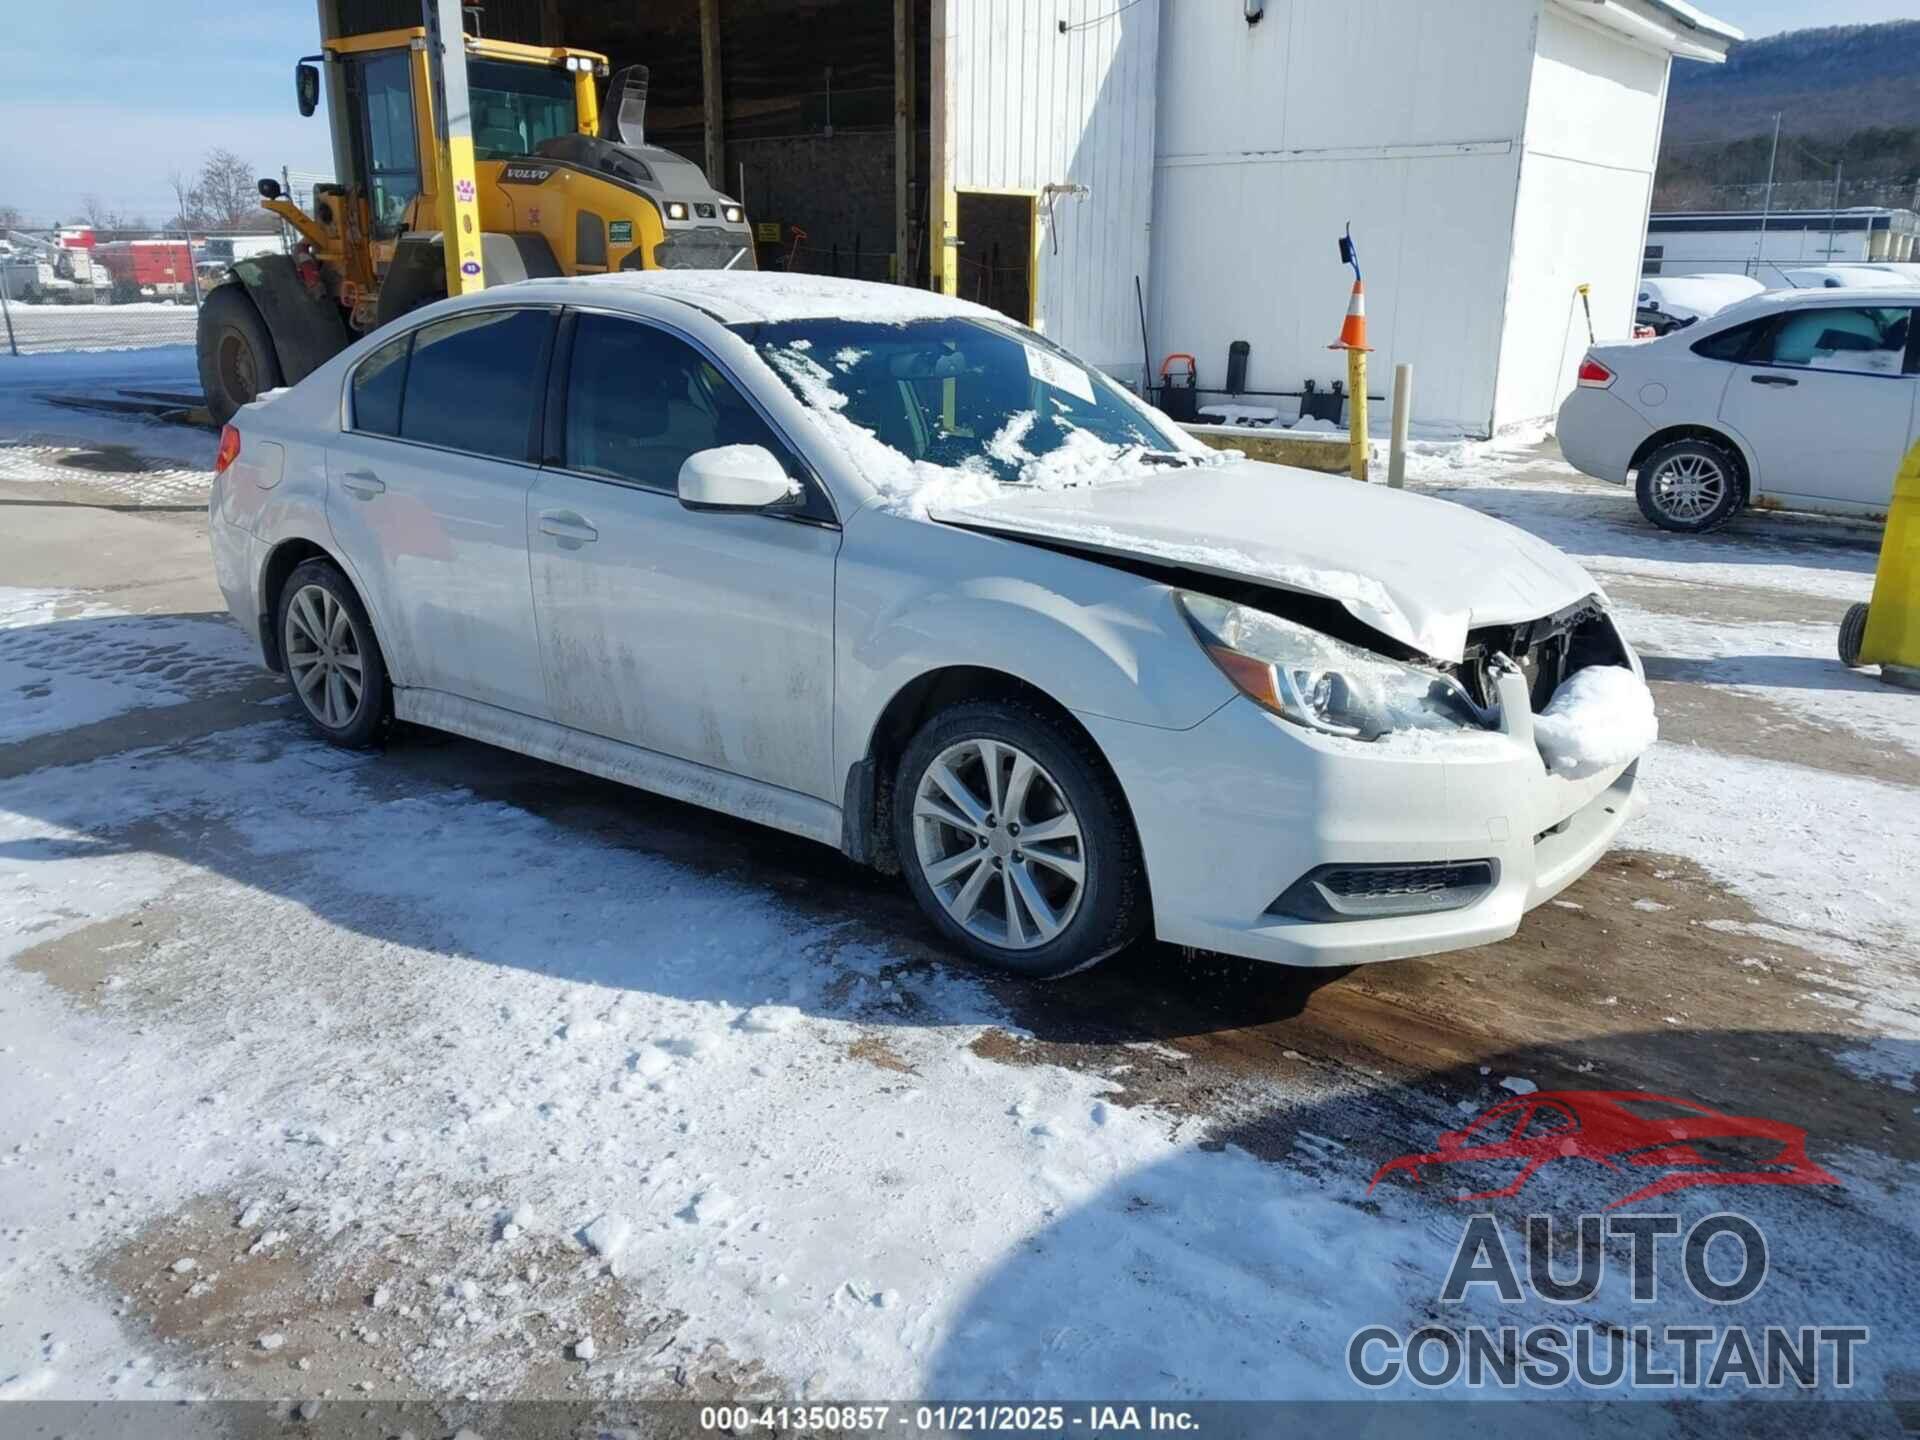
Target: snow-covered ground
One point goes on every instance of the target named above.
(133, 326)
(437, 1072)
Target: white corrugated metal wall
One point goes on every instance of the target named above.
(1586, 177)
(1403, 117)
(1033, 107)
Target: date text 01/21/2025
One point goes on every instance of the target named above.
(947, 1419)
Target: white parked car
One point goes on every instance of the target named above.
(1797, 398)
(1673, 302)
(887, 571)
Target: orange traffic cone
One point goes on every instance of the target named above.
(1353, 331)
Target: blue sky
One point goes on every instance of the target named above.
(142, 88)
(1767, 17)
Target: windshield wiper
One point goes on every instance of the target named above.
(1167, 457)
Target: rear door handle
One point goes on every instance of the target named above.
(567, 527)
(363, 483)
(1773, 380)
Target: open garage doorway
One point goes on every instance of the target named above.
(999, 234)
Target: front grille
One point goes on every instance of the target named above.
(1372, 892)
(705, 247)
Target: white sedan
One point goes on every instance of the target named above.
(890, 572)
(1797, 398)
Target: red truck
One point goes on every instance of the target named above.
(147, 269)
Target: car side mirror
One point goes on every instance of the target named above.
(735, 477)
(306, 87)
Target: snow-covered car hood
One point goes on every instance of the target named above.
(1422, 571)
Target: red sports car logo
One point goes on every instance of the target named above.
(1625, 1131)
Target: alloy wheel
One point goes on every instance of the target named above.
(1688, 488)
(998, 844)
(323, 656)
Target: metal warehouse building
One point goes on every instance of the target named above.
(1750, 243)
(1046, 155)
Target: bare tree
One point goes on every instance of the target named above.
(11, 218)
(224, 194)
(182, 187)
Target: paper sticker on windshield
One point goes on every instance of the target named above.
(1050, 369)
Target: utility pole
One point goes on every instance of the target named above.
(1833, 215)
(1766, 204)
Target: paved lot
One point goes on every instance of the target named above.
(327, 1069)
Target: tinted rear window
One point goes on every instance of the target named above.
(376, 388)
(473, 382)
(1731, 344)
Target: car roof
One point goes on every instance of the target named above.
(738, 297)
(1876, 295)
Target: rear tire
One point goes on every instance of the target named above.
(1690, 486)
(235, 352)
(334, 666)
(1062, 861)
(1853, 630)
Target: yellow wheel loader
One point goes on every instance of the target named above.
(554, 183)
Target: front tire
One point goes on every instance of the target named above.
(235, 352)
(333, 660)
(1016, 841)
(1690, 486)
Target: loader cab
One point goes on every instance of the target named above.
(384, 123)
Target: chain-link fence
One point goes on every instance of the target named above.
(74, 287)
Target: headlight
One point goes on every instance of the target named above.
(1323, 683)
(732, 214)
(676, 209)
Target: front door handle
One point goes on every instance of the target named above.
(567, 527)
(363, 483)
(1773, 380)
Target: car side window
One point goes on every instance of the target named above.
(474, 382)
(1547, 1118)
(377, 383)
(1498, 1125)
(1858, 340)
(639, 401)
(1731, 344)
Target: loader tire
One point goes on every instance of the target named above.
(236, 355)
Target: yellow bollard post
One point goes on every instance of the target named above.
(1892, 636)
(1357, 413)
(1353, 340)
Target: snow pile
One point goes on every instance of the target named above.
(1601, 717)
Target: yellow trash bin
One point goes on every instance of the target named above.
(1886, 631)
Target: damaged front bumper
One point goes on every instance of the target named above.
(1470, 832)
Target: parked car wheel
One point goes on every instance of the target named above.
(1690, 486)
(1853, 629)
(1016, 841)
(332, 659)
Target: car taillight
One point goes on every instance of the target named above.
(229, 449)
(1592, 372)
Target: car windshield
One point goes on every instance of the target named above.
(970, 395)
